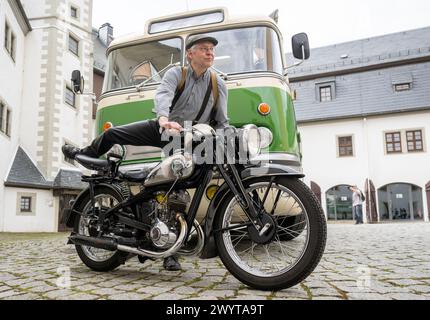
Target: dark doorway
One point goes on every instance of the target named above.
(339, 203)
(65, 199)
(400, 201)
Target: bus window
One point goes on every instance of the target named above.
(248, 50)
(185, 22)
(132, 65)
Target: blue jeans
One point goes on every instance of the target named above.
(358, 213)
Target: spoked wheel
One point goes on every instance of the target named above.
(95, 258)
(295, 248)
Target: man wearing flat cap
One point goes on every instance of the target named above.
(200, 55)
(193, 93)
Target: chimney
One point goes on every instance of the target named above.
(106, 33)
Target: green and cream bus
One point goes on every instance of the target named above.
(249, 58)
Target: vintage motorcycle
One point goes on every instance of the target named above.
(265, 224)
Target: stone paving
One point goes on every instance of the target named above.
(372, 262)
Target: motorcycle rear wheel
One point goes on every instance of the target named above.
(94, 258)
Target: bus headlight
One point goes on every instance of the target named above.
(251, 140)
(266, 137)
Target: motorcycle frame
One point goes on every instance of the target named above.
(200, 179)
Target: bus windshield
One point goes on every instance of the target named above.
(130, 66)
(248, 50)
(242, 50)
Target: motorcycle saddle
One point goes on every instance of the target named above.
(92, 163)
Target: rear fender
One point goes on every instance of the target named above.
(74, 211)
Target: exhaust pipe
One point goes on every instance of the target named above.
(158, 255)
(198, 248)
(100, 243)
(112, 244)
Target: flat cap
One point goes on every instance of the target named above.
(200, 38)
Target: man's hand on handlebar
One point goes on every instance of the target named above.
(173, 128)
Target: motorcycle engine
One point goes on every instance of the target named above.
(164, 231)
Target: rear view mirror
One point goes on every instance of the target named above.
(300, 44)
(78, 82)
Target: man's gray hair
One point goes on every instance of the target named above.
(193, 48)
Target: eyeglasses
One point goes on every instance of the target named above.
(207, 49)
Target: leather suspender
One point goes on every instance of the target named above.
(205, 101)
(213, 87)
(179, 89)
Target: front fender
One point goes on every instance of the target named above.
(209, 250)
(74, 211)
(269, 169)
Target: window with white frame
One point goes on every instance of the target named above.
(6, 36)
(405, 141)
(325, 91)
(5, 119)
(74, 45)
(8, 121)
(70, 97)
(74, 12)
(325, 94)
(2, 108)
(393, 142)
(26, 204)
(345, 146)
(402, 87)
(10, 41)
(12, 46)
(415, 140)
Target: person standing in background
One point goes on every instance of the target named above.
(357, 204)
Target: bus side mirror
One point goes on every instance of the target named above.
(300, 44)
(78, 82)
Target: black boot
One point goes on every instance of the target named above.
(70, 151)
(171, 264)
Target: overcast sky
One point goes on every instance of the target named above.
(326, 22)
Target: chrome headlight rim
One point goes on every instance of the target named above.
(252, 147)
(266, 137)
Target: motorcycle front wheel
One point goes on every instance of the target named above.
(295, 249)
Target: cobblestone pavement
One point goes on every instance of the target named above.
(385, 261)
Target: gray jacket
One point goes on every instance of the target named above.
(190, 102)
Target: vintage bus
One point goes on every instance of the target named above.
(249, 57)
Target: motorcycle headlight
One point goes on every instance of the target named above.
(266, 137)
(251, 140)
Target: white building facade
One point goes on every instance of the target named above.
(52, 38)
(13, 30)
(364, 117)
